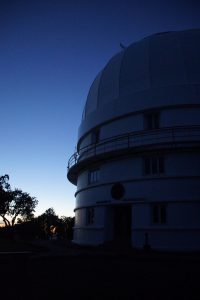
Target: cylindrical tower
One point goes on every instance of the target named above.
(137, 167)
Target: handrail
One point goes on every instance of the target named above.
(135, 139)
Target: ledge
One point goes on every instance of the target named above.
(173, 137)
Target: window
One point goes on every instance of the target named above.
(159, 214)
(152, 120)
(93, 176)
(117, 191)
(154, 165)
(95, 136)
(90, 216)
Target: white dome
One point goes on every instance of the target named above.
(160, 70)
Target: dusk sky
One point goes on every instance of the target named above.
(50, 52)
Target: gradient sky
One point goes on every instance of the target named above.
(50, 52)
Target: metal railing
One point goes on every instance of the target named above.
(137, 139)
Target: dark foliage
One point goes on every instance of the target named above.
(15, 204)
(16, 211)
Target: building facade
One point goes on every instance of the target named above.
(137, 165)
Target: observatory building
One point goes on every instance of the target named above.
(137, 165)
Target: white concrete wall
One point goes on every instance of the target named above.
(178, 187)
(91, 234)
(153, 190)
(174, 183)
(88, 236)
(180, 232)
(180, 116)
(163, 239)
(168, 118)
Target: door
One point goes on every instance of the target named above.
(122, 224)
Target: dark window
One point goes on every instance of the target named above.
(93, 176)
(159, 213)
(152, 120)
(117, 191)
(90, 216)
(95, 136)
(154, 165)
(161, 164)
(162, 214)
(147, 166)
(155, 214)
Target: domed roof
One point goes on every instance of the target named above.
(162, 69)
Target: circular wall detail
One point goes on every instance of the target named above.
(117, 191)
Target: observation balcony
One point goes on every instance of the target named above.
(145, 140)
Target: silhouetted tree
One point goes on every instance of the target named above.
(5, 197)
(53, 226)
(22, 205)
(15, 204)
(68, 224)
(46, 220)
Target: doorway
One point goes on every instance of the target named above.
(122, 224)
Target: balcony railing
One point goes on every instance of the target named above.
(132, 140)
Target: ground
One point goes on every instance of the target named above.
(52, 270)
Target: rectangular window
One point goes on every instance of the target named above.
(152, 120)
(95, 135)
(147, 166)
(161, 164)
(154, 165)
(93, 176)
(159, 214)
(90, 216)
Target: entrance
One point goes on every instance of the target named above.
(122, 224)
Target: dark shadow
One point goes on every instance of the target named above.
(122, 225)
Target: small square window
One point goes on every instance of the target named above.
(93, 176)
(154, 165)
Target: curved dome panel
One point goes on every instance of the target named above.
(134, 76)
(92, 98)
(163, 69)
(109, 85)
(191, 49)
(167, 61)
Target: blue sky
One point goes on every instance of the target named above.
(50, 52)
